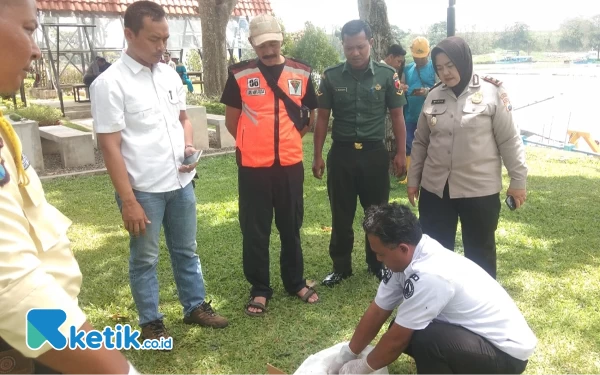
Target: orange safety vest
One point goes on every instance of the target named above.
(265, 133)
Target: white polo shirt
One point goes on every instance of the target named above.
(144, 105)
(442, 285)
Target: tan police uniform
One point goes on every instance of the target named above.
(457, 156)
(464, 141)
(37, 267)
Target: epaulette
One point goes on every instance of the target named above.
(436, 85)
(333, 67)
(492, 80)
(377, 63)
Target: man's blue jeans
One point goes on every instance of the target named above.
(176, 211)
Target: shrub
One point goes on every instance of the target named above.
(42, 114)
(8, 103)
(316, 48)
(211, 104)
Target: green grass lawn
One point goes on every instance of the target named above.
(548, 260)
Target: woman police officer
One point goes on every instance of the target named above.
(464, 133)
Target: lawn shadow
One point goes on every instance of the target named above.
(557, 227)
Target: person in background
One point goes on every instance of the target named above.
(37, 266)
(452, 317)
(420, 78)
(167, 60)
(396, 58)
(182, 71)
(95, 69)
(359, 93)
(269, 157)
(464, 134)
(139, 110)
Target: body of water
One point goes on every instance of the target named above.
(566, 92)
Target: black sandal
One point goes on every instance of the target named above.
(256, 305)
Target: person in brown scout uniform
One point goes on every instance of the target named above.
(37, 267)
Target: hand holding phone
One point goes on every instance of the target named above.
(193, 158)
(418, 92)
(510, 202)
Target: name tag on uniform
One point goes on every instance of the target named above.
(256, 92)
(341, 89)
(438, 101)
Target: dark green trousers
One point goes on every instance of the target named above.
(354, 173)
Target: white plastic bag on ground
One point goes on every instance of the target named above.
(318, 363)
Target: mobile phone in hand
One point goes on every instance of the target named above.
(510, 202)
(193, 158)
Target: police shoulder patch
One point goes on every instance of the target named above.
(409, 288)
(493, 81)
(387, 276)
(505, 100)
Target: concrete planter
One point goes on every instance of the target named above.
(29, 133)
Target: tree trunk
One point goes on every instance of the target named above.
(214, 16)
(374, 12)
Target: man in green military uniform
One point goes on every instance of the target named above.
(358, 92)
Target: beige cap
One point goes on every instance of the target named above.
(265, 28)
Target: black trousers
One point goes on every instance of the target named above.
(443, 348)
(478, 218)
(353, 173)
(262, 190)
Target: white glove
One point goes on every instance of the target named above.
(132, 370)
(357, 366)
(345, 355)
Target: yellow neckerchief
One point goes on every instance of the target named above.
(13, 139)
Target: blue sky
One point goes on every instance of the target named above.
(418, 14)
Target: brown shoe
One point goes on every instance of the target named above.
(154, 331)
(205, 316)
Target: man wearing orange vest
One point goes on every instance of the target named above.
(264, 100)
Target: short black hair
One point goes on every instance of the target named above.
(136, 12)
(355, 27)
(393, 224)
(102, 59)
(396, 50)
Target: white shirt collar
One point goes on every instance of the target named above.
(417, 254)
(133, 65)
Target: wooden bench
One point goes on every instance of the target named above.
(224, 138)
(76, 148)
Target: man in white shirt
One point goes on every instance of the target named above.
(453, 317)
(139, 110)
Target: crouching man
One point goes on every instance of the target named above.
(452, 316)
